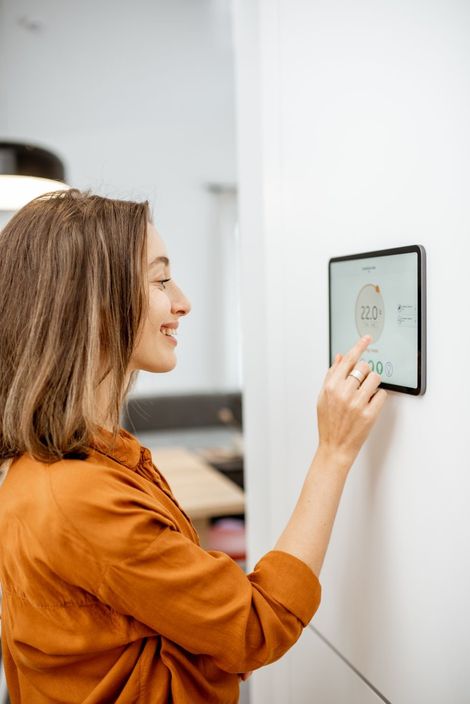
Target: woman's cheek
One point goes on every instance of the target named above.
(159, 312)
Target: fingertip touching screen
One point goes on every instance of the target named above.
(382, 294)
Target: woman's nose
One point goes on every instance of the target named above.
(181, 304)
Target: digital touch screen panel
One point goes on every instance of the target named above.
(382, 294)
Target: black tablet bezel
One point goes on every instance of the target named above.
(421, 356)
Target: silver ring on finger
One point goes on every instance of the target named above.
(357, 374)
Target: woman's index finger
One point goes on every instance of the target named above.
(353, 356)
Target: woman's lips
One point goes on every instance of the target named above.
(170, 327)
(170, 338)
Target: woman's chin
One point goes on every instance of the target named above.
(160, 362)
(161, 366)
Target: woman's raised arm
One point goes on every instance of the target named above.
(347, 409)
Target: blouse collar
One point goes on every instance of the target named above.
(126, 449)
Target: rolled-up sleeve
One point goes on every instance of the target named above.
(203, 600)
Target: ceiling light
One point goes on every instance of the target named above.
(27, 171)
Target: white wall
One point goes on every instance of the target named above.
(137, 98)
(354, 135)
(5, 215)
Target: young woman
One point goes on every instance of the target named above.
(107, 593)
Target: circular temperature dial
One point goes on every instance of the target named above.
(370, 311)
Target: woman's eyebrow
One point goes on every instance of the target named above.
(157, 260)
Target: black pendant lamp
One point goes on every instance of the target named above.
(27, 171)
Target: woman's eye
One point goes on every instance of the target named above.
(163, 282)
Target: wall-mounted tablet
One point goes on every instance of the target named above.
(382, 294)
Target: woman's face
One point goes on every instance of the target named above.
(155, 349)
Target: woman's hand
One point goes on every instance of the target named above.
(346, 407)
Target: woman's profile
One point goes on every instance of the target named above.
(107, 594)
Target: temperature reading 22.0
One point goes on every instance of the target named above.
(370, 311)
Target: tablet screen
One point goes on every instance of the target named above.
(380, 296)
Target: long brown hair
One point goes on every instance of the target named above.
(72, 302)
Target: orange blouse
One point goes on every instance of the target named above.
(108, 596)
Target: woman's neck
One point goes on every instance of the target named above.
(102, 401)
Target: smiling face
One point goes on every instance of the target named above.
(155, 349)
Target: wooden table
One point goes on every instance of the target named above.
(201, 490)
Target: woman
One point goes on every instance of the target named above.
(107, 594)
